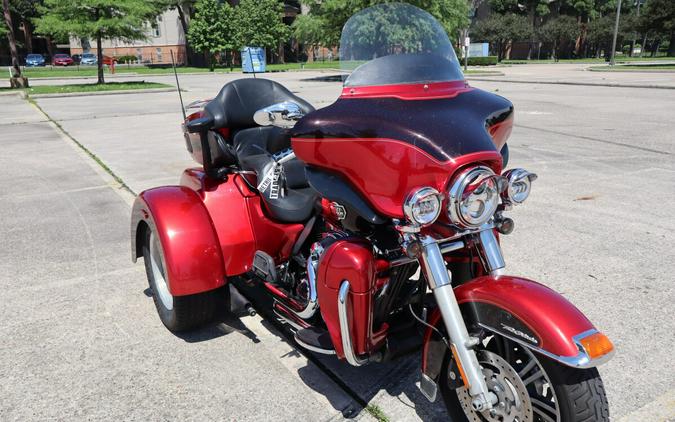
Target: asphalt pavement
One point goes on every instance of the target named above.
(82, 338)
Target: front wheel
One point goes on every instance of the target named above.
(177, 313)
(529, 388)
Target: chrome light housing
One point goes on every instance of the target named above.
(474, 197)
(423, 206)
(519, 185)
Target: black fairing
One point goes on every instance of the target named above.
(445, 128)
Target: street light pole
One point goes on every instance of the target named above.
(616, 31)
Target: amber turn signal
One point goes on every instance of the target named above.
(596, 345)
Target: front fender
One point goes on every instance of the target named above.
(189, 243)
(522, 310)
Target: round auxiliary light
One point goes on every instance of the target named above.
(519, 185)
(423, 206)
(473, 197)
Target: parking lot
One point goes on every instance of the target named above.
(81, 337)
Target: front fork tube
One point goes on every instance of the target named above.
(439, 281)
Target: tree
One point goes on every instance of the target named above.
(9, 31)
(560, 30)
(257, 23)
(210, 30)
(327, 17)
(534, 9)
(184, 9)
(308, 31)
(659, 15)
(98, 19)
(499, 30)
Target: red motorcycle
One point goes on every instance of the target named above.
(374, 226)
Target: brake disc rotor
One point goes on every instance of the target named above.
(513, 404)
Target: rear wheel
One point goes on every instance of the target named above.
(177, 313)
(529, 388)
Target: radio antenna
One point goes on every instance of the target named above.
(175, 73)
(250, 57)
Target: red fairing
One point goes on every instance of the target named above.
(386, 170)
(240, 222)
(501, 131)
(352, 261)
(551, 317)
(189, 244)
(428, 91)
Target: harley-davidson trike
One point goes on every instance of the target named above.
(374, 225)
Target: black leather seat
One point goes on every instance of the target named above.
(254, 148)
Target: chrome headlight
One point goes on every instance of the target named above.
(519, 185)
(473, 197)
(423, 206)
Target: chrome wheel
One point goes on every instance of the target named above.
(159, 274)
(523, 388)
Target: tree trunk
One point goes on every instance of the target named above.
(533, 19)
(99, 54)
(184, 25)
(28, 35)
(16, 68)
(671, 47)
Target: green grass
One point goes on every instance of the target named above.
(110, 86)
(589, 60)
(377, 413)
(90, 71)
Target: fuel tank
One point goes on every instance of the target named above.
(385, 145)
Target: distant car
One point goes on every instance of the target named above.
(62, 60)
(88, 59)
(35, 60)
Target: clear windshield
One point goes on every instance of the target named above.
(396, 43)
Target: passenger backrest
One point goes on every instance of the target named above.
(238, 100)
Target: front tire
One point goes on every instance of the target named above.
(530, 388)
(177, 313)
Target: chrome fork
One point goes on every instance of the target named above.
(439, 280)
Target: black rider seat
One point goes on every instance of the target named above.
(295, 200)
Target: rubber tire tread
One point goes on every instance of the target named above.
(189, 312)
(580, 392)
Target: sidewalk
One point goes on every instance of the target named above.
(81, 338)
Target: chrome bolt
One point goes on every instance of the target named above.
(452, 375)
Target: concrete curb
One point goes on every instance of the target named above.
(608, 85)
(116, 92)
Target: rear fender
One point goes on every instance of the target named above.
(192, 254)
(522, 310)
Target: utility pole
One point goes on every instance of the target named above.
(616, 32)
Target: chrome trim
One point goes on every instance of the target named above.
(445, 248)
(312, 266)
(313, 348)
(439, 279)
(491, 253)
(417, 196)
(580, 361)
(518, 179)
(287, 315)
(284, 115)
(347, 348)
(457, 189)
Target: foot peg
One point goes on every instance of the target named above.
(263, 267)
(315, 339)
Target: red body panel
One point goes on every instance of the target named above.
(240, 222)
(385, 170)
(553, 319)
(189, 244)
(352, 261)
(408, 91)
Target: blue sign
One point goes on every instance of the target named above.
(253, 59)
